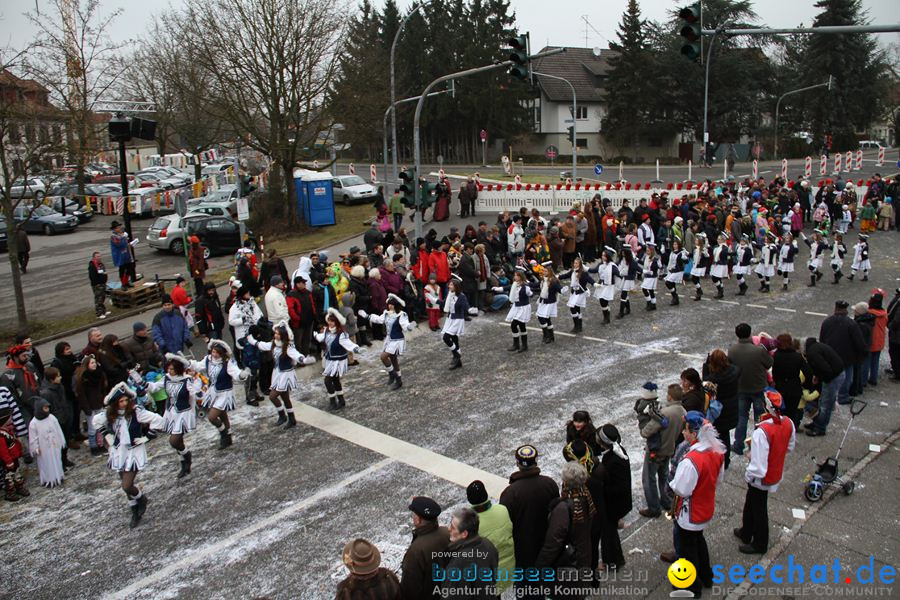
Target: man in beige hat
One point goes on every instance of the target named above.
(367, 579)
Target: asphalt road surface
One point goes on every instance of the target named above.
(267, 518)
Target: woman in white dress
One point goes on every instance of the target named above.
(678, 258)
(768, 254)
(578, 292)
(547, 301)
(628, 269)
(395, 321)
(786, 253)
(861, 258)
(519, 311)
(700, 258)
(180, 416)
(607, 276)
(285, 357)
(817, 248)
(718, 270)
(743, 258)
(121, 425)
(457, 308)
(337, 344)
(650, 268)
(222, 370)
(46, 443)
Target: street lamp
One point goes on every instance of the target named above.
(393, 108)
(827, 84)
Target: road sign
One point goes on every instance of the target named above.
(243, 209)
(373, 174)
(551, 152)
(440, 159)
(898, 164)
(598, 169)
(483, 135)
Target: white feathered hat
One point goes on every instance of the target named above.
(397, 299)
(179, 357)
(219, 343)
(287, 327)
(120, 390)
(337, 316)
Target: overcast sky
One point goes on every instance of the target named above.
(550, 22)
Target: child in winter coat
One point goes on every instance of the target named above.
(53, 392)
(647, 409)
(885, 214)
(10, 453)
(867, 217)
(47, 444)
(433, 302)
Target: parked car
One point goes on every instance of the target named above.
(72, 208)
(4, 243)
(170, 174)
(352, 189)
(29, 187)
(216, 168)
(70, 191)
(869, 145)
(44, 219)
(215, 209)
(219, 235)
(226, 193)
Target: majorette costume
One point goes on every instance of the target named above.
(396, 322)
(546, 310)
(838, 251)
(675, 272)
(645, 232)
(765, 269)
(701, 263)
(861, 258)
(743, 258)
(337, 345)
(519, 312)
(816, 248)
(220, 398)
(457, 307)
(285, 356)
(628, 269)
(180, 414)
(578, 293)
(607, 275)
(786, 253)
(651, 275)
(719, 269)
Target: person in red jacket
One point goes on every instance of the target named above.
(772, 439)
(302, 310)
(10, 453)
(879, 331)
(181, 299)
(439, 265)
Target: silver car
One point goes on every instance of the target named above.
(352, 189)
(29, 187)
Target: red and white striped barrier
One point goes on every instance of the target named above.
(784, 168)
(823, 165)
(837, 163)
(857, 165)
(807, 167)
(518, 179)
(848, 160)
(755, 169)
(373, 173)
(352, 169)
(880, 162)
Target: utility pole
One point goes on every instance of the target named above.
(827, 84)
(389, 111)
(414, 10)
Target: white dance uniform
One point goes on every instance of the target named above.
(221, 381)
(651, 272)
(698, 257)
(337, 347)
(180, 416)
(719, 266)
(284, 379)
(628, 273)
(815, 254)
(766, 266)
(743, 256)
(578, 292)
(675, 268)
(128, 451)
(521, 306)
(46, 441)
(786, 255)
(607, 273)
(861, 257)
(838, 250)
(547, 300)
(394, 324)
(453, 325)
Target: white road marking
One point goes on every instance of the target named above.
(757, 306)
(730, 302)
(399, 450)
(626, 344)
(790, 310)
(815, 314)
(605, 341)
(198, 555)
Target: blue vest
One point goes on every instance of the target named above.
(223, 381)
(182, 400)
(396, 332)
(552, 291)
(135, 430)
(461, 308)
(334, 350)
(285, 362)
(522, 300)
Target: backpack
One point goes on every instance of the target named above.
(713, 407)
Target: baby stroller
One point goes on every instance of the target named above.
(827, 472)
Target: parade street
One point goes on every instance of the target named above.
(267, 517)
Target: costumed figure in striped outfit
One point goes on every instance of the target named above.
(607, 275)
(743, 259)
(861, 258)
(519, 312)
(719, 269)
(337, 344)
(768, 254)
(650, 269)
(817, 248)
(396, 322)
(678, 258)
(179, 416)
(578, 292)
(701, 263)
(838, 251)
(457, 307)
(786, 253)
(547, 300)
(284, 379)
(121, 425)
(628, 269)
(222, 370)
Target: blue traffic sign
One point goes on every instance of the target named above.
(598, 169)
(898, 164)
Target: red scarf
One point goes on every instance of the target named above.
(26, 373)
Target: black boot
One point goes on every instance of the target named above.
(865, 277)
(515, 346)
(766, 289)
(282, 419)
(524, 347)
(837, 277)
(606, 317)
(340, 401)
(742, 289)
(391, 376)
(544, 332)
(135, 519)
(185, 465)
(456, 363)
(621, 314)
(332, 403)
(628, 307)
(550, 336)
(291, 421)
(812, 280)
(576, 326)
(819, 276)
(649, 306)
(224, 439)
(720, 292)
(698, 295)
(398, 383)
(675, 301)
(652, 306)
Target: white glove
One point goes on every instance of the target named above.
(497, 289)
(362, 314)
(245, 373)
(473, 311)
(412, 326)
(565, 289)
(308, 360)
(646, 410)
(139, 441)
(359, 350)
(110, 440)
(251, 340)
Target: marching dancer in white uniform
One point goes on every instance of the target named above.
(861, 258)
(607, 275)
(337, 344)
(817, 247)
(678, 258)
(222, 370)
(651, 275)
(578, 292)
(786, 253)
(547, 301)
(765, 270)
(743, 258)
(456, 305)
(701, 263)
(628, 269)
(180, 417)
(284, 379)
(121, 426)
(519, 312)
(718, 271)
(395, 321)
(838, 251)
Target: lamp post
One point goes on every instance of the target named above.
(384, 124)
(827, 84)
(574, 121)
(394, 103)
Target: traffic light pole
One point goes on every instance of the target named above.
(574, 121)
(394, 102)
(385, 130)
(706, 97)
(778, 108)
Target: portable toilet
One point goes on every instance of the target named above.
(315, 197)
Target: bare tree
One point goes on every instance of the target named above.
(271, 63)
(75, 59)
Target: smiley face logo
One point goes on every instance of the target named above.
(682, 573)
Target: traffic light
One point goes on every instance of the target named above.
(518, 54)
(571, 130)
(408, 188)
(429, 192)
(690, 30)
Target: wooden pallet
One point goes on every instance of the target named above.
(140, 295)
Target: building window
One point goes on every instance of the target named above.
(582, 113)
(581, 142)
(44, 133)
(654, 142)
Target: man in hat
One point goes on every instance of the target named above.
(468, 551)
(20, 379)
(494, 525)
(170, 331)
(694, 486)
(276, 304)
(527, 498)
(845, 337)
(367, 578)
(664, 431)
(140, 349)
(772, 439)
(428, 540)
(121, 254)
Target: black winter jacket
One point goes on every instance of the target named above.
(844, 336)
(786, 373)
(527, 498)
(823, 360)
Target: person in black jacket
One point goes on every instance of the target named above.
(827, 367)
(615, 473)
(786, 370)
(719, 370)
(845, 337)
(362, 301)
(209, 316)
(64, 361)
(98, 277)
(866, 322)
